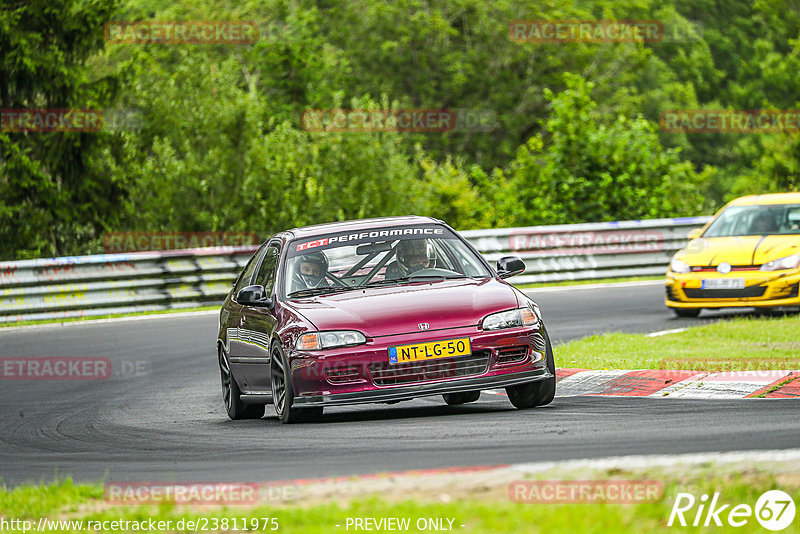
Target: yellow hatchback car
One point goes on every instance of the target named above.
(748, 255)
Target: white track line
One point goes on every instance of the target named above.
(666, 332)
(593, 286)
(166, 315)
(664, 460)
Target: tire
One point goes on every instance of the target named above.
(230, 394)
(283, 394)
(686, 312)
(538, 393)
(454, 399)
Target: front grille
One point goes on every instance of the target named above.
(385, 374)
(748, 292)
(713, 268)
(512, 354)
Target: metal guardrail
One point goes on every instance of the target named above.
(82, 286)
(588, 251)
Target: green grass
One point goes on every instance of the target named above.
(745, 343)
(492, 512)
(587, 282)
(45, 499)
(108, 316)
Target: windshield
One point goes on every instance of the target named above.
(380, 256)
(777, 219)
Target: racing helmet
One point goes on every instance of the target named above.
(310, 269)
(414, 254)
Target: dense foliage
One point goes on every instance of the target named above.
(211, 138)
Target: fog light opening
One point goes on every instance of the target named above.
(343, 375)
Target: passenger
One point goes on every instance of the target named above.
(412, 256)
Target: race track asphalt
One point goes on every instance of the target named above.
(160, 416)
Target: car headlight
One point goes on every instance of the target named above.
(679, 266)
(789, 262)
(329, 340)
(510, 319)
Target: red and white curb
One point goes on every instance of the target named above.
(683, 384)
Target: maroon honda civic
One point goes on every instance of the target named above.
(377, 311)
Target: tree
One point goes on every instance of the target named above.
(583, 169)
(51, 197)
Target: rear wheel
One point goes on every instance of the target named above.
(454, 399)
(536, 393)
(686, 312)
(283, 394)
(230, 394)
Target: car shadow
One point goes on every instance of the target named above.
(366, 413)
(727, 314)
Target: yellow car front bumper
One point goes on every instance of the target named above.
(761, 289)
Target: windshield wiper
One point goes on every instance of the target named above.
(423, 278)
(311, 291)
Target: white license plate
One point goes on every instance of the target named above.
(724, 283)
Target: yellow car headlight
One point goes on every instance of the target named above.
(679, 266)
(789, 262)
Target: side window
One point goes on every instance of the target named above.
(266, 273)
(247, 274)
(792, 221)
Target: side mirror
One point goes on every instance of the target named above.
(253, 296)
(694, 234)
(508, 266)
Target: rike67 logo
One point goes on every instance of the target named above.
(774, 510)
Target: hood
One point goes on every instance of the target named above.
(383, 311)
(739, 250)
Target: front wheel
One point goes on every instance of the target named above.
(230, 394)
(536, 393)
(283, 394)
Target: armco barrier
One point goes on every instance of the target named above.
(589, 250)
(81, 286)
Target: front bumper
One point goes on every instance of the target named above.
(363, 374)
(761, 289)
(423, 390)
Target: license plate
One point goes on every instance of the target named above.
(430, 350)
(723, 283)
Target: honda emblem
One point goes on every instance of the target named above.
(423, 326)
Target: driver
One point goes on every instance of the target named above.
(412, 256)
(763, 223)
(310, 271)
